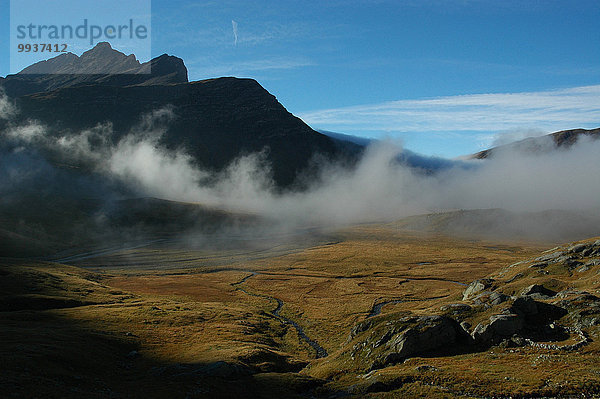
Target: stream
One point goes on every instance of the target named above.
(321, 352)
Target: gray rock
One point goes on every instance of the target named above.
(429, 333)
(571, 292)
(490, 298)
(572, 264)
(538, 289)
(465, 325)
(577, 248)
(525, 305)
(564, 258)
(549, 257)
(359, 328)
(476, 287)
(499, 327)
(593, 262)
(496, 298)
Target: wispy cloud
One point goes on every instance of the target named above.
(234, 26)
(545, 110)
(245, 67)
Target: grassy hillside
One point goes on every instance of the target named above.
(169, 321)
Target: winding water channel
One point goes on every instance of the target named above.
(276, 312)
(321, 352)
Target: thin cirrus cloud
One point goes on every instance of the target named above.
(546, 110)
(246, 67)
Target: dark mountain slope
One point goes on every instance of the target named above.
(215, 120)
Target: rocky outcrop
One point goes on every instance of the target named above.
(100, 66)
(406, 337)
(539, 290)
(498, 327)
(515, 307)
(476, 287)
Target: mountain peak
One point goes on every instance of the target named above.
(100, 65)
(101, 59)
(101, 46)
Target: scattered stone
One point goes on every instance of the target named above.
(518, 341)
(465, 325)
(593, 262)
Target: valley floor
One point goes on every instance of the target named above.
(275, 319)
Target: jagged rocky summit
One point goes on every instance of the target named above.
(214, 120)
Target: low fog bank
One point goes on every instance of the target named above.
(383, 186)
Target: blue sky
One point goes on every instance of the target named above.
(447, 77)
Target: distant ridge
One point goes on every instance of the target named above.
(564, 139)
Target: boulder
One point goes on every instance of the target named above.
(496, 298)
(490, 298)
(538, 289)
(526, 306)
(577, 248)
(549, 257)
(427, 334)
(477, 287)
(536, 313)
(497, 328)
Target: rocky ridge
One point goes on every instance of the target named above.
(548, 303)
(214, 121)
